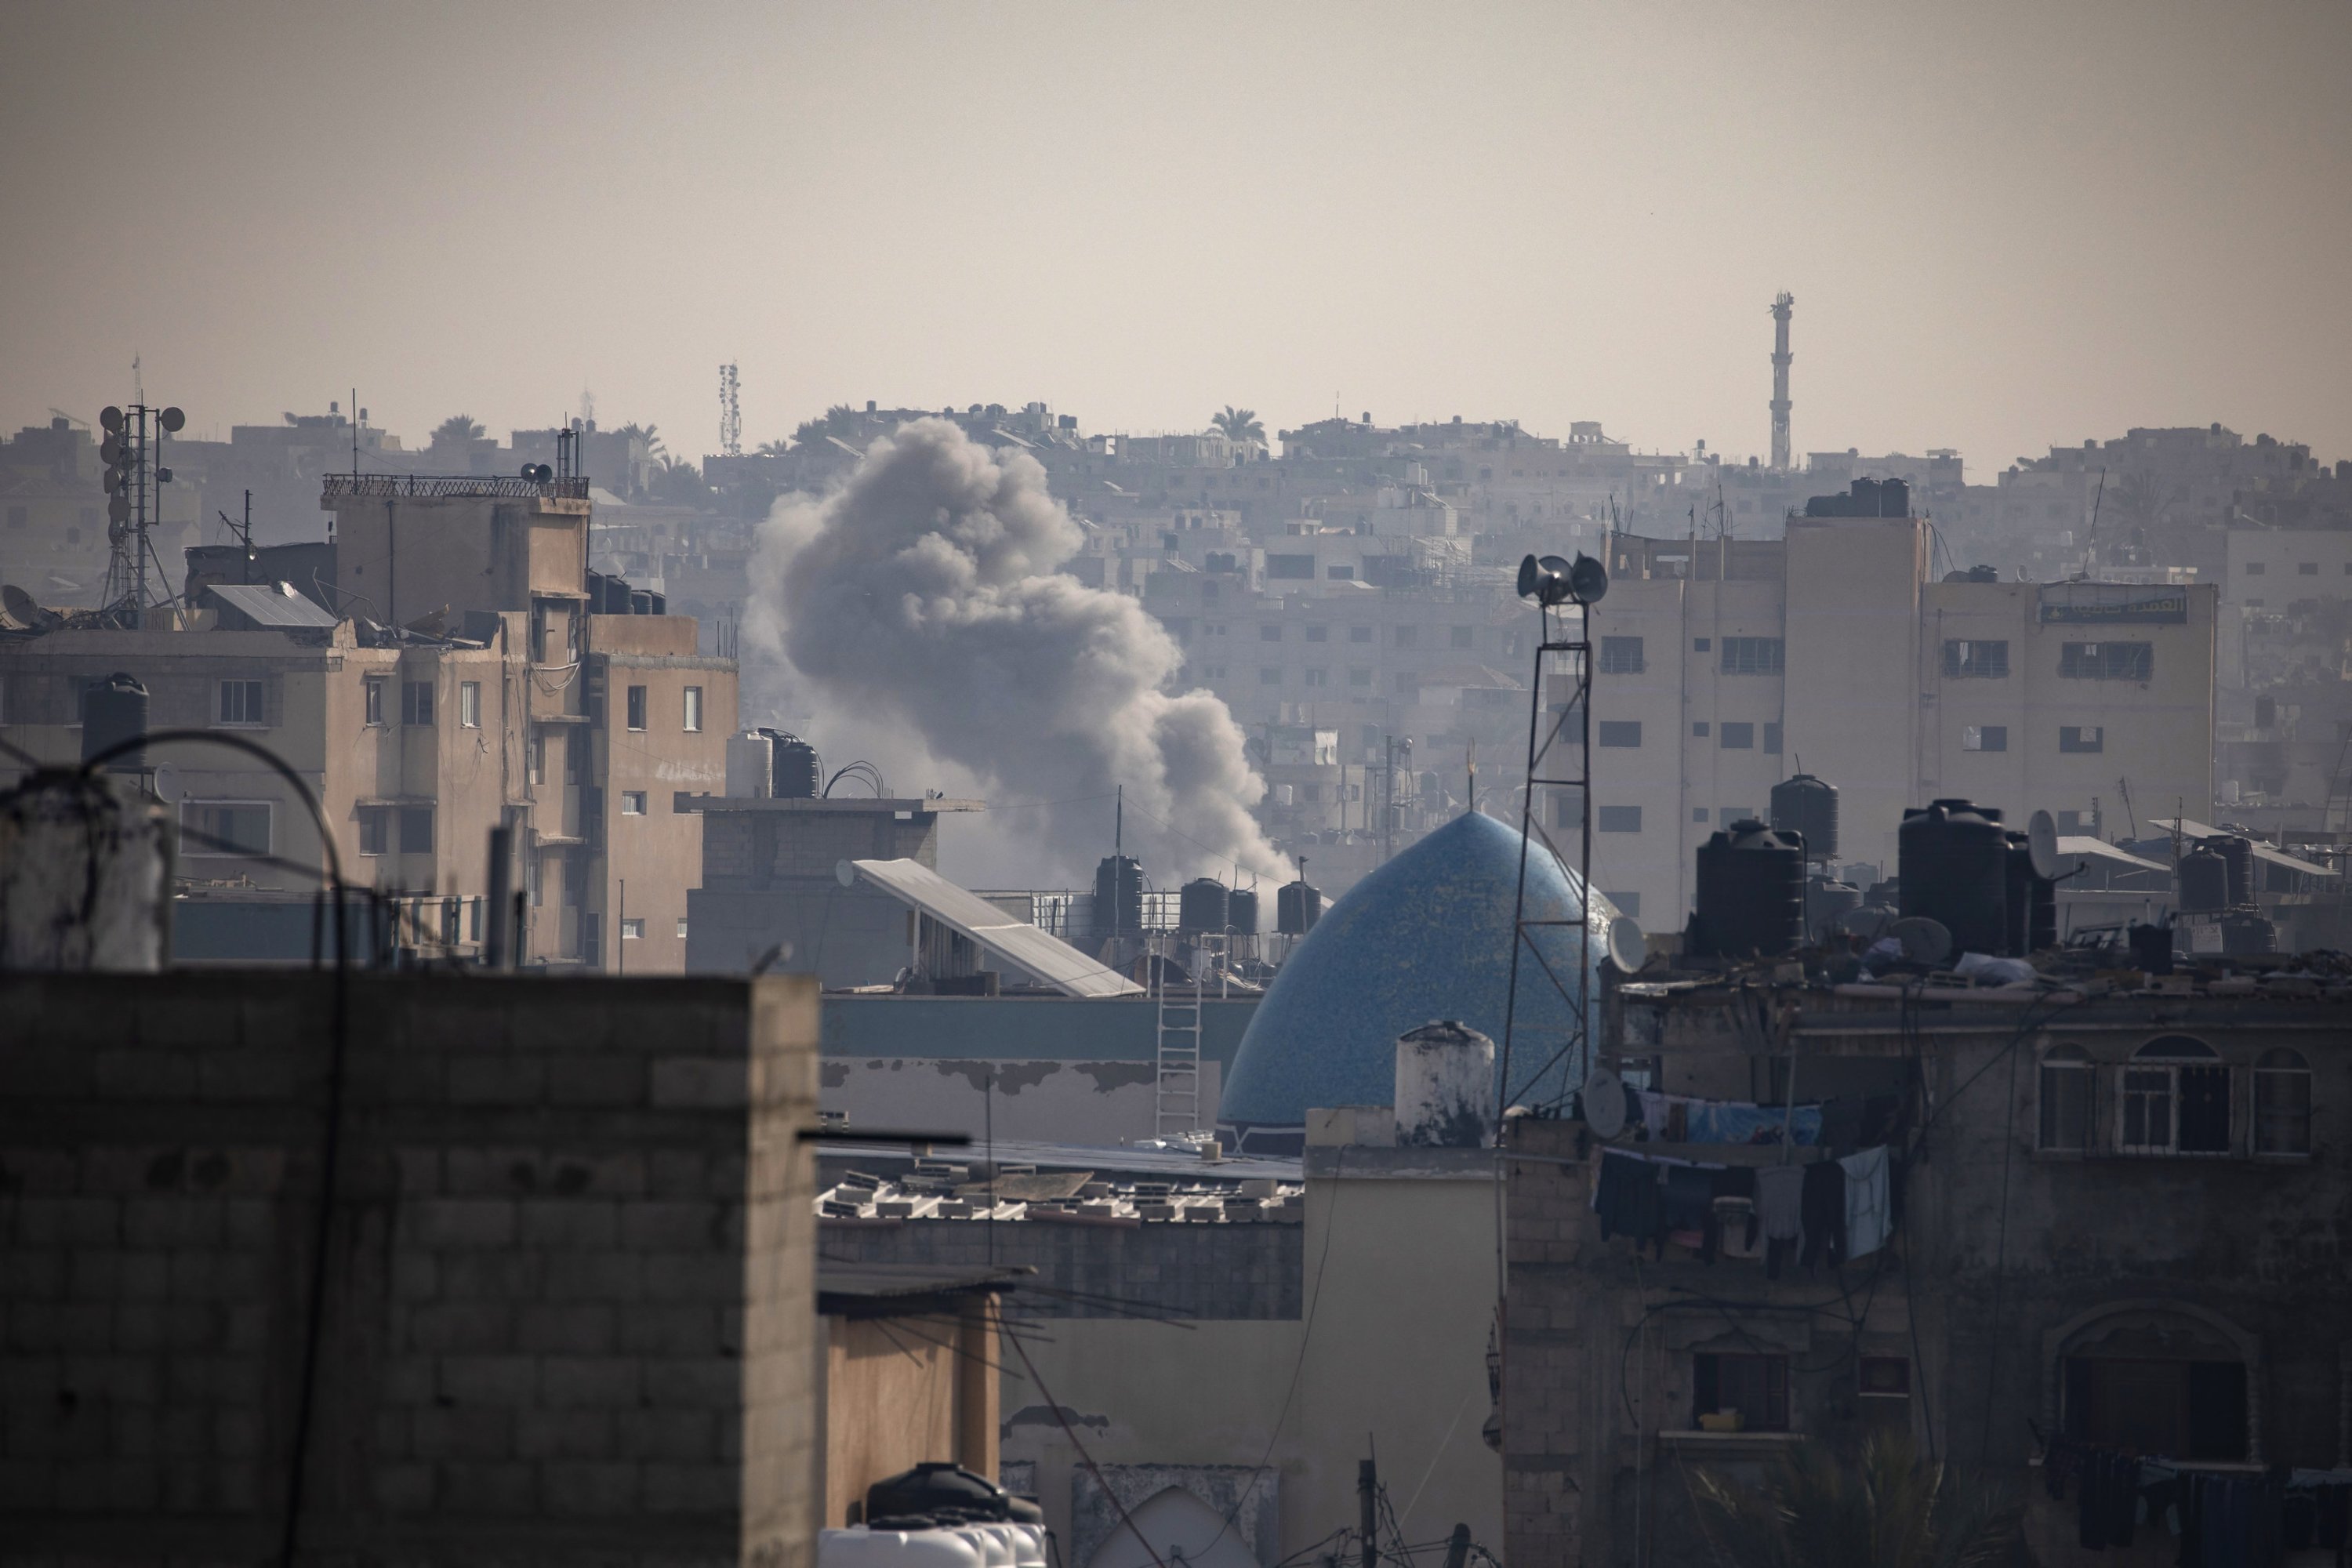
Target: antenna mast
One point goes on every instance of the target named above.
(730, 410)
(1782, 306)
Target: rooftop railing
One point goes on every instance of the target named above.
(449, 486)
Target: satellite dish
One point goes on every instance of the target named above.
(845, 873)
(1604, 1102)
(110, 452)
(23, 608)
(1628, 948)
(1588, 581)
(542, 473)
(1924, 940)
(2041, 848)
(117, 508)
(109, 417)
(171, 419)
(163, 475)
(1530, 574)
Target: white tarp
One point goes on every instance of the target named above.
(1044, 957)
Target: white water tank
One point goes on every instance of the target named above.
(1444, 1086)
(858, 1547)
(750, 766)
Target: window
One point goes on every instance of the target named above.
(417, 702)
(1359, 634)
(1408, 686)
(1984, 737)
(1628, 903)
(2082, 738)
(1359, 677)
(1699, 729)
(1408, 637)
(1752, 656)
(2255, 569)
(372, 697)
(633, 929)
(535, 760)
(633, 803)
(2174, 1100)
(1699, 816)
(1701, 644)
(240, 702)
(224, 828)
(1317, 677)
(1267, 675)
(2066, 1078)
(681, 927)
(1620, 731)
(1290, 567)
(1738, 737)
(416, 830)
(693, 708)
(1621, 655)
(1772, 740)
(1318, 634)
(375, 829)
(636, 707)
(1465, 637)
(1619, 819)
(469, 704)
(1976, 660)
(2106, 661)
(1335, 573)
(1883, 1383)
(2282, 1103)
(2307, 569)
(1757, 1386)
(2155, 1405)
(1269, 634)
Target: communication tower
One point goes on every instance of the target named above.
(1780, 356)
(730, 412)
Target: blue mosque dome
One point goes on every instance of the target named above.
(1426, 937)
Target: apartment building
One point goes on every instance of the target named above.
(501, 696)
(1724, 665)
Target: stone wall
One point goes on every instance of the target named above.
(534, 1338)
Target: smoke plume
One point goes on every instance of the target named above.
(925, 591)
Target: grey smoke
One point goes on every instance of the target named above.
(925, 591)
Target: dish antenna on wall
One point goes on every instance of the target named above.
(1924, 940)
(2041, 848)
(1628, 948)
(1604, 1102)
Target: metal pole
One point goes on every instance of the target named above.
(1368, 1481)
(496, 952)
(620, 932)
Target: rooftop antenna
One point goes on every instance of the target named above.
(730, 410)
(355, 433)
(1782, 306)
(2091, 534)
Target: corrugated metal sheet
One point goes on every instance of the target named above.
(1046, 959)
(271, 605)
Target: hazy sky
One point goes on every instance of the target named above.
(2005, 224)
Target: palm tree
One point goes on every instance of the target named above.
(680, 481)
(1883, 1509)
(1238, 424)
(458, 430)
(773, 449)
(649, 433)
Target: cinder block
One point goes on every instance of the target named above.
(68, 1222)
(249, 1077)
(236, 1434)
(391, 1432)
(463, 1432)
(572, 1329)
(135, 1075)
(678, 1173)
(248, 1222)
(500, 1079)
(699, 1083)
(691, 1488)
(656, 1225)
(575, 1276)
(578, 1487)
(32, 1274)
(41, 1172)
(487, 1276)
(670, 1332)
(404, 1489)
(707, 1382)
(511, 1381)
(162, 1221)
(572, 1434)
(710, 1274)
(581, 1222)
(27, 1486)
(459, 1327)
(491, 1173)
(604, 1080)
(677, 1436)
(462, 1222)
(490, 1490)
(419, 1172)
(416, 1275)
(567, 1382)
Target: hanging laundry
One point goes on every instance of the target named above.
(1866, 1211)
(1626, 1197)
(1824, 1204)
(1779, 1213)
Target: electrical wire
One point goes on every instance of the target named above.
(1087, 1459)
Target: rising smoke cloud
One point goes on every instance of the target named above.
(926, 590)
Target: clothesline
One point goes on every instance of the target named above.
(1827, 1210)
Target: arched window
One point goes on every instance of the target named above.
(2159, 1379)
(2066, 1078)
(2282, 1103)
(2173, 1098)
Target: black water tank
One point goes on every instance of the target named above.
(2243, 932)
(1119, 894)
(939, 1488)
(1241, 911)
(1826, 898)
(1808, 805)
(1751, 892)
(2032, 903)
(1203, 904)
(1953, 859)
(2204, 881)
(2237, 854)
(1894, 497)
(114, 710)
(1297, 907)
(796, 769)
(2152, 948)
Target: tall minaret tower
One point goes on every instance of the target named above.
(1780, 308)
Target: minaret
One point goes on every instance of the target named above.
(1780, 308)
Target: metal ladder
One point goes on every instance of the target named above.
(1177, 1088)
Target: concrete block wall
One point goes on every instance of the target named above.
(1184, 1270)
(1546, 1360)
(534, 1337)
